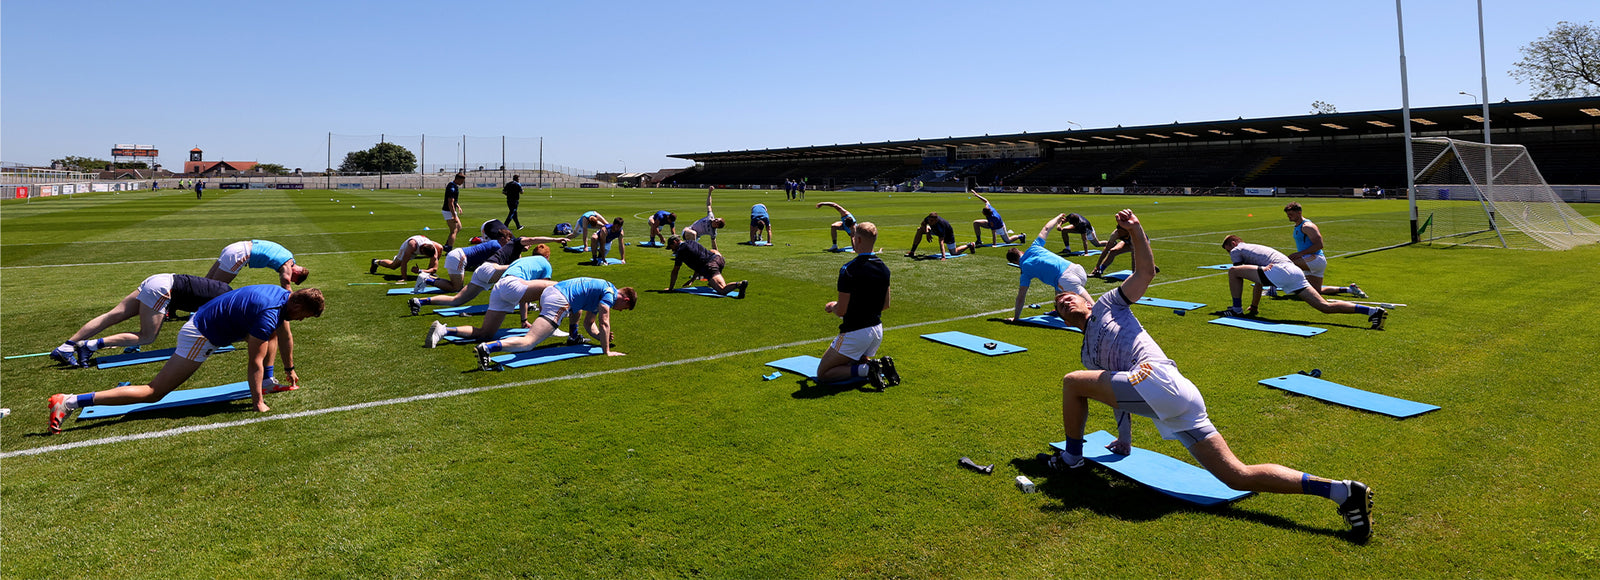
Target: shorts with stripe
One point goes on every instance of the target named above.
(192, 345)
(235, 257)
(156, 291)
(553, 305)
(1157, 391)
(859, 343)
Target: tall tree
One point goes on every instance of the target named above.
(1322, 107)
(384, 157)
(273, 168)
(1564, 63)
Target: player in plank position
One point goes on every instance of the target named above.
(706, 226)
(1077, 224)
(418, 245)
(1038, 262)
(485, 275)
(600, 243)
(846, 223)
(992, 221)
(662, 218)
(1308, 254)
(519, 284)
(863, 296)
(588, 222)
(1127, 370)
(257, 254)
(259, 315)
(1263, 266)
(565, 300)
(703, 263)
(150, 302)
(760, 221)
(938, 230)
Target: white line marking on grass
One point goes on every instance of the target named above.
(194, 239)
(474, 390)
(178, 260)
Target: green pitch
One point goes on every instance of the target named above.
(678, 459)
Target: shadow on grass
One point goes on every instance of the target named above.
(810, 389)
(183, 412)
(1104, 493)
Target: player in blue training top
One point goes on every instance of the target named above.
(1038, 262)
(257, 254)
(995, 224)
(518, 284)
(863, 296)
(846, 224)
(565, 300)
(259, 315)
(760, 222)
(1127, 370)
(1308, 254)
(934, 227)
(658, 220)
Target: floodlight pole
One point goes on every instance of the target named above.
(1405, 121)
(328, 174)
(381, 140)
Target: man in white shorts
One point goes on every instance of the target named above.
(706, 226)
(150, 302)
(565, 300)
(257, 254)
(257, 314)
(588, 222)
(418, 245)
(863, 296)
(1039, 263)
(484, 277)
(938, 229)
(452, 209)
(460, 261)
(1266, 266)
(1308, 254)
(522, 282)
(1127, 370)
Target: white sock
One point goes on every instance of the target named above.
(95, 344)
(1339, 491)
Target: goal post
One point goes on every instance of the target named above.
(1469, 193)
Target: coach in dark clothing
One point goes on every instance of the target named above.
(513, 193)
(863, 296)
(705, 263)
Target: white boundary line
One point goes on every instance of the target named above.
(179, 260)
(474, 390)
(192, 239)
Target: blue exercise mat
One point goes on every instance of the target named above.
(1088, 253)
(540, 356)
(1159, 472)
(498, 334)
(948, 256)
(1280, 328)
(1350, 397)
(228, 392)
(974, 343)
(707, 291)
(139, 358)
(806, 366)
(840, 250)
(1164, 303)
(609, 262)
(472, 310)
(1006, 245)
(652, 244)
(1217, 267)
(1049, 321)
(576, 249)
(1119, 275)
(413, 291)
(756, 243)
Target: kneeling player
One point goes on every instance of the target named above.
(863, 296)
(995, 224)
(418, 245)
(660, 219)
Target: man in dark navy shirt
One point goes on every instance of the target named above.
(863, 296)
(452, 209)
(704, 263)
(513, 193)
(937, 228)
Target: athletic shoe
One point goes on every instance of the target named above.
(84, 354)
(890, 374)
(519, 228)
(66, 354)
(744, 287)
(574, 339)
(484, 362)
(435, 332)
(373, 269)
(1097, 273)
(271, 385)
(1058, 461)
(1354, 289)
(558, 333)
(875, 374)
(416, 306)
(58, 411)
(1272, 291)
(1233, 312)
(1357, 511)
(422, 283)
(1377, 317)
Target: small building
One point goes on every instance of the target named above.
(197, 166)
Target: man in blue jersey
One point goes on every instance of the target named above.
(936, 228)
(863, 296)
(259, 315)
(567, 299)
(846, 223)
(1308, 254)
(994, 223)
(1127, 370)
(257, 254)
(522, 282)
(587, 223)
(662, 218)
(150, 302)
(1040, 263)
(760, 221)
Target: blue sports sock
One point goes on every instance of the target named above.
(1364, 309)
(1237, 303)
(492, 347)
(1074, 447)
(1313, 485)
(269, 373)
(85, 400)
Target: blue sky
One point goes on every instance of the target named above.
(608, 84)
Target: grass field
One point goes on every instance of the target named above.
(679, 460)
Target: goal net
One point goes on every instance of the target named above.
(1469, 193)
